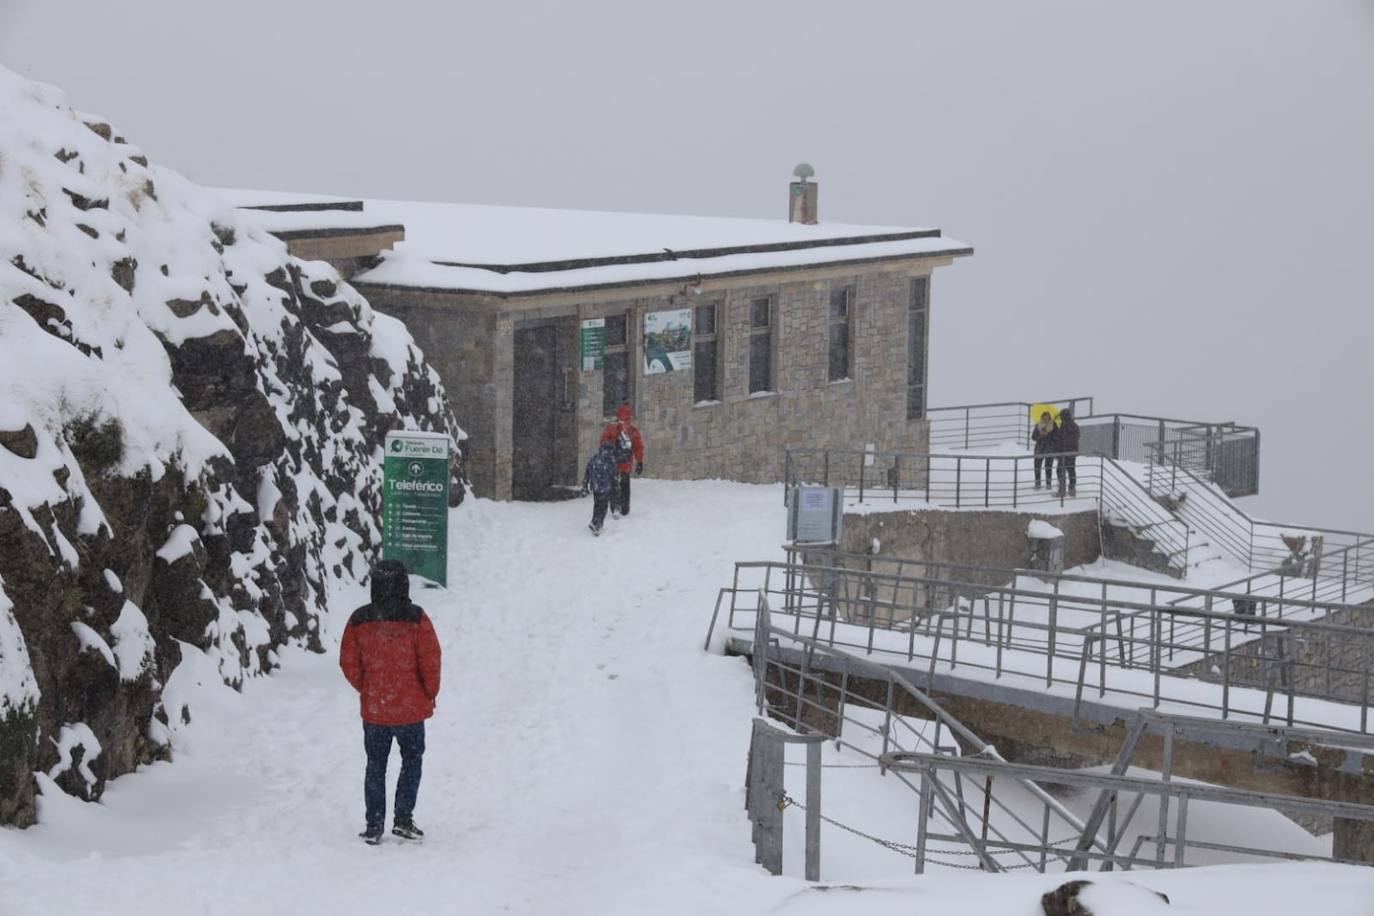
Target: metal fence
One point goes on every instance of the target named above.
(1225, 452)
(980, 425)
(992, 482)
(960, 783)
(1145, 651)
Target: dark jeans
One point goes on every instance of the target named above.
(622, 495)
(1066, 466)
(377, 742)
(600, 502)
(1048, 465)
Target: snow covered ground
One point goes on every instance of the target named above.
(585, 757)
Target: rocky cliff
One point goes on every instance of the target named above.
(190, 440)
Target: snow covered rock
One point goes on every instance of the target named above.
(1086, 898)
(190, 441)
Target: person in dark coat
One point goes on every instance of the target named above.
(600, 479)
(1043, 436)
(392, 658)
(1066, 443)
(624, 435)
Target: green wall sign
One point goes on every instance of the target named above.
(415, 480)
(593, 343)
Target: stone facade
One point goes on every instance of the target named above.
(469, 337)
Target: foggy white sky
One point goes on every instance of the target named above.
(1172, 202)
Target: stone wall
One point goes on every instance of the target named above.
(742, 436)
(469, 337)
(977, 538)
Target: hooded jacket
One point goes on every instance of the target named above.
(390, 654)
(624, 416)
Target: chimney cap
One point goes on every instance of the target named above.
(803, 171)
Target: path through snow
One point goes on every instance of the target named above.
(585, 758)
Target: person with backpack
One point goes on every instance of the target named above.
(392, 658)
(600, 479)
(1066, 443)
(629, 456)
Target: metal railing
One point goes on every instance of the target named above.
(1169, 839)
(959, 780)
(1226, 455)
(1294, 671)
(991, 482)
(899, 717)
(764, 786)
(979, 425)
(1336, 561)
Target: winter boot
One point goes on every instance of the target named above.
(595, 529)
(372, 835)
(406, 830)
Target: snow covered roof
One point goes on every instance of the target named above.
(512, 250)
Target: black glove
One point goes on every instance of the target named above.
(639, 469)
(584, 491)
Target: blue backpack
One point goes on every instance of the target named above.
(601, 471)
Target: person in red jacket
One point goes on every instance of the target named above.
(391, 657)
(630, 453)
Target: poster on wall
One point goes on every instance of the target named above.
(667, 341)
(593, 343)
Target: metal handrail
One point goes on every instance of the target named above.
(954, 480)
(848, 608)
(1171, 794)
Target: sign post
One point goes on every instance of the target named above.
(415, 482)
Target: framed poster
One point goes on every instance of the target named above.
(667, 341)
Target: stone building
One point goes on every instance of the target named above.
(733, 339)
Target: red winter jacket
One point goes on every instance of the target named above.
(624, 415)
(391, 656)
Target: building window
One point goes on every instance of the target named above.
(841, 323)
(916, 324)
(706, 358)
(615, 374)
(760, 345)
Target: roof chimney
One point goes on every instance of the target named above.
(801, 201)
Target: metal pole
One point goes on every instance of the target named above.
(958, 479)
(813, 811)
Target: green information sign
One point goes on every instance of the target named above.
(593, 343)
(415, 481)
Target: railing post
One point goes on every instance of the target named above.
(1054, 632)
(826, 479)
(813, 811)
(896, 475)
(967, 411)
(958, 479)
(987, 482)
(863, 463)
(1015, 479)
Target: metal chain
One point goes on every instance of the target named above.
(905, 849)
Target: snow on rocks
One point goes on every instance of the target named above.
(1042, 530)
(187, 442)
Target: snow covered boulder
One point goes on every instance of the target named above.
(1088, 898)
(190, 443)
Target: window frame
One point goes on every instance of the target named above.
(847, 322)
(918, 310)
(716, 340)
(616, 350)
(765, 331)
